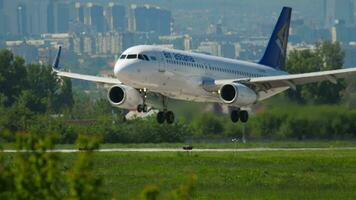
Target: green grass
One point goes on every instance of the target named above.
(249, 175)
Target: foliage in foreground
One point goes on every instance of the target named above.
(36, 173)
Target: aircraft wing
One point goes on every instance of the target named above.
(96, 79)
(292, 80)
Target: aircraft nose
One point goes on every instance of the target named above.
(120, 68)
(122, 71)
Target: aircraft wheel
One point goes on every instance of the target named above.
(244, 116)
(235, 116)
(145, 108)
(161, 117)
(139, 108)
(170, 117)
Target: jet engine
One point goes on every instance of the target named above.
(237, 94)
(123, 96)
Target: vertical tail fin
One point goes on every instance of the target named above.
(275, 54)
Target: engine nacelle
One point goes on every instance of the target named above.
(237, 94)
(123, 96)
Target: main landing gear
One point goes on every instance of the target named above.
(165, 115)
(237, 115)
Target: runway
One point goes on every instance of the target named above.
(153, 150)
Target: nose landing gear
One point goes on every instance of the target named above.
(143, 107)
(162, 116)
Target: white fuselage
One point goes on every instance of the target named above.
(181, 75)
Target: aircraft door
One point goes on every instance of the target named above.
(207, 68)
(161, 62)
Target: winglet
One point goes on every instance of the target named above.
(56, 61)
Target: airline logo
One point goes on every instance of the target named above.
(282, 37)
(178, 57)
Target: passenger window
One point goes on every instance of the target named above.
(123, 56)
(153, 58)
(131, 56)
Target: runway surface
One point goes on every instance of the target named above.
(194, 150)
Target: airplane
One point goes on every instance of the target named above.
(182, 75)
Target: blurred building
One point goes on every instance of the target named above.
(109, 43)
(252, 49)
(219, 29)
(27, 50)
(210, 48)
(181, 42)
(228, 50)
(95, 17)
(128, 40)
(116, 17)
(151, 19)
(88, 45)
(350, 52)
(63, 39)
(338, 10)
(301, 32)
(62, 17)
(50, 17)
(224, 49)
(79, 13)
(342, 33)
(2, 18)
(23, 17)
(101, 44)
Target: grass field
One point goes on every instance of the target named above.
(248, 175)
(328, 174)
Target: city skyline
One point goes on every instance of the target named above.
(38, 14)
(105, 28)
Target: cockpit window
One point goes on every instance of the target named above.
(140, 56)
(146, 57)
(131, 56)
(123, 56)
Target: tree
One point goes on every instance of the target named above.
(34, 86)
(326, 56)
(12, 77)
(207, 124)
(65, 99)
